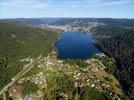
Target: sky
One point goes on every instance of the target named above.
(66, 8)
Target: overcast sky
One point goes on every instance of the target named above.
(66, 8)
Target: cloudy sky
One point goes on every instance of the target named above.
(66, 8)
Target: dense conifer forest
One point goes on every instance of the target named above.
(121, 47)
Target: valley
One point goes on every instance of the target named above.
(106, 75)
(66, 49)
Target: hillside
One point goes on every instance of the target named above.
(18, 41)
(110, 30)
(54, 79)
(121, 47)
(24, 37)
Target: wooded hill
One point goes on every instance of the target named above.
(18, 41)
(121, 47)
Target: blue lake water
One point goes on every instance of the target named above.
(75, 45)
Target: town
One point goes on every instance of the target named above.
(92, 74)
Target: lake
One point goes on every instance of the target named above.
(75, 45)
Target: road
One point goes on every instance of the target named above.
(20, 74)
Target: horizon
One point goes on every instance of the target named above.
(63, 17)
(11, 9)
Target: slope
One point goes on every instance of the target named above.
(18, 41)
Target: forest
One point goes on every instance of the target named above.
(121, 48)
(19, 41)
(110, 30)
